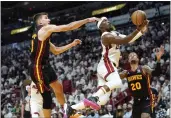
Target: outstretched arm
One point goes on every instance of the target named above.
(157, 70)
(58, 50)
(108, 38)
(71, 26)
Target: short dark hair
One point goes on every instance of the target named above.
(38, 15)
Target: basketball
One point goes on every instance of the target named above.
(138, 17)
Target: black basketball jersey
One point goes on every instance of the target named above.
(39, 49)
(139, 83)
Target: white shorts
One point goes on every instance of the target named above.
(36, 109)
(106, 71)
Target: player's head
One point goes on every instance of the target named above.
(133, 58)
(41, 19)
(105, 25)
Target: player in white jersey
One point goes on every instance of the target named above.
(108, 77)
(36, 102)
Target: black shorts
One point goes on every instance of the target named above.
(42, 76)
(27, 114)
(141, 106)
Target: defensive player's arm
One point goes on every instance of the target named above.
(123, 74)
(152, 72)
(71, 26)
(108, 38)
(157, 70)
(58, 50)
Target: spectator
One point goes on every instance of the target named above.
(128, 114)
(124, 107)
(119, 112)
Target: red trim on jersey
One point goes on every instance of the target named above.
(36, 113)
(108, 64)
(152, 100)
(40, 67)
(38, 48)
(39, 71)
(150, 93)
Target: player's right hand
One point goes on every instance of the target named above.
(76, 42)
(160, 53)
(143, 28)
(93, 19)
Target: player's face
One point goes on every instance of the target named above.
(106, 24)
(133, 58)
(45, 20)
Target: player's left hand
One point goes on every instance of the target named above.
(160, 53)
(93, 19)
(76, 42)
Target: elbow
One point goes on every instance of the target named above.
(56, 53)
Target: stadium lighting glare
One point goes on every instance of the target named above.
(109, 9)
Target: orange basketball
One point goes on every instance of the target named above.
(138, 17)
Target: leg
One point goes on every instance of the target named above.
(47, 102)
(71, 110)
(55, 85)
(58, 90)
(113, 81)
(147, 109)
(102, 101)
(145, 115)
(136, 112)
(36, 110)
(40, 76)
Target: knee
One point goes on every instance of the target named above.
(115, 80)
(114, 84)
(145, 115)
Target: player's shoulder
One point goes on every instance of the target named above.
(48, 27)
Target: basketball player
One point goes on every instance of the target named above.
(41, 72)
(138, 78)
(36, 101)
(108, 77)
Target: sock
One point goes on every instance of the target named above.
(100, 92)
(78, 106)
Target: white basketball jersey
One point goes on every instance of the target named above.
(113, 53)
(35, 94)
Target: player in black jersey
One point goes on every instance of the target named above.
(138, 78)
(41, 72)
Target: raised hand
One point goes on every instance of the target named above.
(160, 53)
(76, 42)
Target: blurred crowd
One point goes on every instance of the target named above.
(76, 69)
